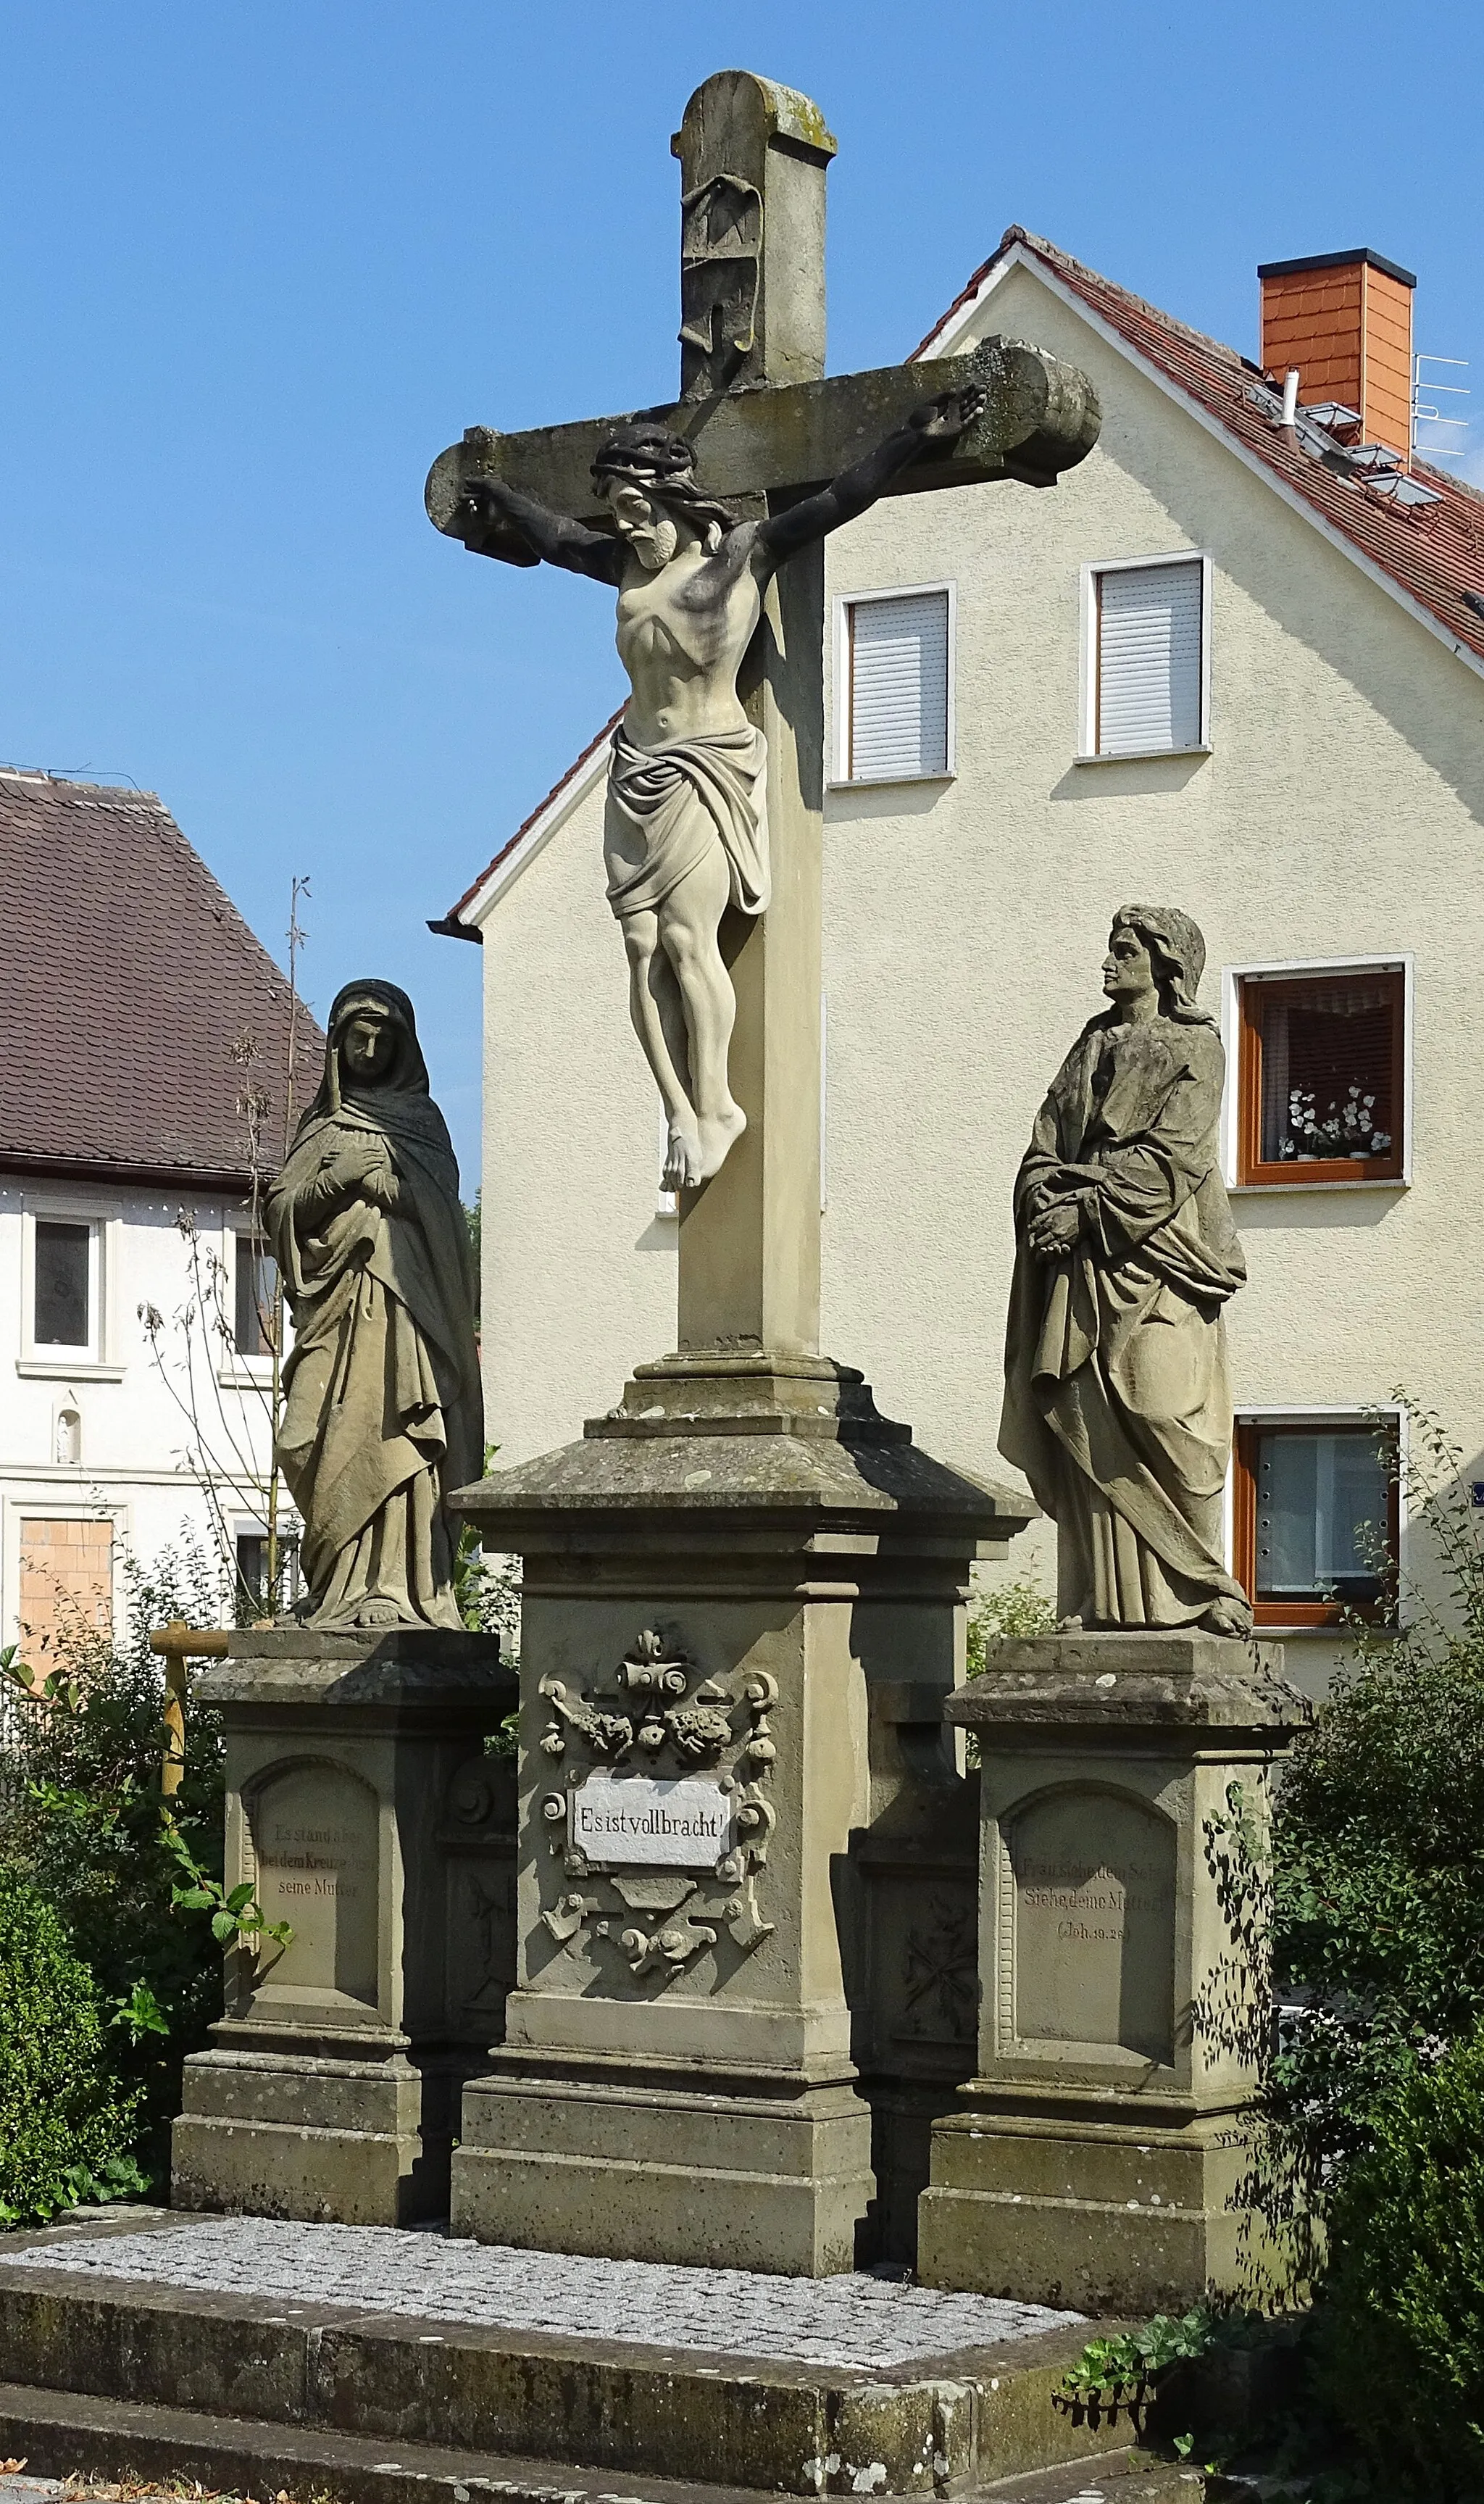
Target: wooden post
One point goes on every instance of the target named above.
(176, 1643)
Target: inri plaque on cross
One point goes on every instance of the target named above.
(708, 516)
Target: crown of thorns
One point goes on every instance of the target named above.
(647, 452)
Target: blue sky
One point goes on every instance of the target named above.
(262, 263)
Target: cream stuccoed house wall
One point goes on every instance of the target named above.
(108, 1437)
(1336, 817)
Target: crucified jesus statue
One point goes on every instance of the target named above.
(685, 832)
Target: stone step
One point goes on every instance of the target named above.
(66, 2435)
(83, 2321)
(1110, 2477)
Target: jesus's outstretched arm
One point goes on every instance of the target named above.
(938, 423)
(488, 503)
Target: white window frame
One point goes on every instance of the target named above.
(1322, 1413)
(1087, 750)
(98, 1362)
(843, 779)
(1288, 971)
(235, 1371)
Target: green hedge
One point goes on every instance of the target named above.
(65, 2119)
(1402, 2326)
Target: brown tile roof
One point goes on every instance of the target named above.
(1434, 552)
(128, 977)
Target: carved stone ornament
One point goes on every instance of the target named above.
(940, 1995)
(721, 242)
(661, 1718)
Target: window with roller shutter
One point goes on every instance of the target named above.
(895, 655)
(1148, 628)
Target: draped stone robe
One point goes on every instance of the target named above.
(669, 806)
(383, 1413)
(1118, 1396)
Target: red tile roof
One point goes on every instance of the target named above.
(129, 979)
(1433, 552)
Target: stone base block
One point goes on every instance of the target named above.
(1117, 2218)
(715, 2171)
(355, 2142)
(667, 2399)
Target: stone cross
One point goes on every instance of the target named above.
(768, 429)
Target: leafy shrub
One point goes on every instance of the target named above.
(67, 2119)
(1379, 1871)
(1380, 1892)
(1402, 2329)
(80, 1822)
(1002, 1613)
(488, 1589)
(1122, 2371)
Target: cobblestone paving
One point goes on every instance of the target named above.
(855, 2321)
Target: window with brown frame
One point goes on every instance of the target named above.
(1322, 1077)
(1315, 1522)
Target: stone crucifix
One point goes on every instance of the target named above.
(708, 516)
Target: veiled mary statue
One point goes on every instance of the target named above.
(1118, 1398)
(383, 1415)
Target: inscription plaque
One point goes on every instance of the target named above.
(315, 1835)
(684, 1824)
(1094, 1924)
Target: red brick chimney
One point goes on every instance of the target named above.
(1344, 319)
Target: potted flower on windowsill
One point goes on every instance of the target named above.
(1345, 1129)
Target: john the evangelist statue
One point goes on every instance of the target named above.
(1117, 1394)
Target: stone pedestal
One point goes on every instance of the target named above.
(362, 1805)
(1097, 2158)
(719, 1578)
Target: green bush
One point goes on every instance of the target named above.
(1401, 2328)
(67, 2119)
(81, 1823)
(1001, 1611)
(1379, 1894)
(1379, 1868)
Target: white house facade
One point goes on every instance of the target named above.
(148, 1034)
(1235, 662)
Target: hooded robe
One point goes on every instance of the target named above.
(383, 1412)
(1117, 1395)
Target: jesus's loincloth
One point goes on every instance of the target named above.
(679, 800)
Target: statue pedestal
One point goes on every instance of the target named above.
(361, 1804)
(742, 1588)
(1096, 2160)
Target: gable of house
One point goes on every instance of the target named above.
(1330, 816)
(1427, 555)
(140, 1009)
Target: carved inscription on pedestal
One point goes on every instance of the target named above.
(633, 1820)
(664, 1862)
(315, 1839)
(1093, 1902)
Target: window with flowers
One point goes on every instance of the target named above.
(1322, 1077)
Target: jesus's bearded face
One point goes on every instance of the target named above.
(643, 524)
